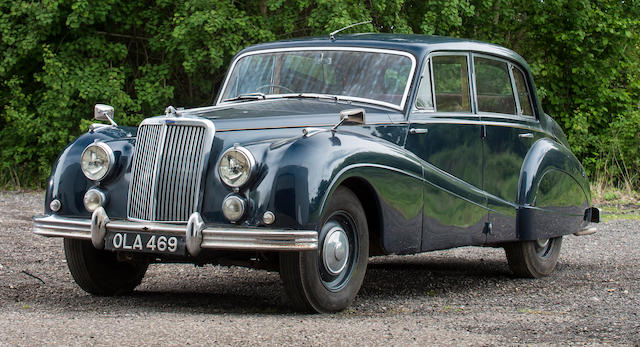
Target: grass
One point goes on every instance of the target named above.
(615, 203)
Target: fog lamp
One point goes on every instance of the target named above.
(233, 208)
(93, 199)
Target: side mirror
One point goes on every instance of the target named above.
(104, 112)
(354, 115)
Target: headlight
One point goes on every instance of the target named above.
(236, 166)
(97, 160)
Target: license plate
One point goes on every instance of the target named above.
(146, 243)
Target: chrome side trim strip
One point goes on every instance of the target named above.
(213, 237)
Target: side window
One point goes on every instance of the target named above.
(523, 92)
(424, 99)
(451, 83)
(493, 86)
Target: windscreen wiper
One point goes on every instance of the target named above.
(248, 96)
(310, 96)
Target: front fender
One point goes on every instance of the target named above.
(302, 176)
(68, 184)
(553, 192)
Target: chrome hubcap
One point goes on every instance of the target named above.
(335, 250)
(542, 243)
(543, 247)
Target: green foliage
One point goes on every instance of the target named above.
(61, 57)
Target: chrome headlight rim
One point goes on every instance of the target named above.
(250, 170)
(111, 159)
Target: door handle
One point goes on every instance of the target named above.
(526, 136)
(418, 131)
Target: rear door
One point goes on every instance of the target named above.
(505, 108)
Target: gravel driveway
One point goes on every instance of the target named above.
(461, 296)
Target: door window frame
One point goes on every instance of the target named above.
(470, 85)
(471, 76)
(510, 66)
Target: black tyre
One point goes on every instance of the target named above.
(328, 279)
(99, 272)
(533, 259)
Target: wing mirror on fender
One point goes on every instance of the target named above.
(104, 112)
(354, 115)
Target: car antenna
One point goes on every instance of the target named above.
(332, 36)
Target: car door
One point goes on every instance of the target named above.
(504, 105)
(446, 133)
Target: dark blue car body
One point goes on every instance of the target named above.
(425, 180)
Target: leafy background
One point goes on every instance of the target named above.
(59, 58)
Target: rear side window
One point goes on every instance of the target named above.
(451, 83)
(493, 85)
(522, 91)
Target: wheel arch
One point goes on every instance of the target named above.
(370, 203)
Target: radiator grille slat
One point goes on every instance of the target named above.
(166, 172)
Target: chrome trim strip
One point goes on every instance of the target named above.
(213, 237)
(405, 95)
(437, 120)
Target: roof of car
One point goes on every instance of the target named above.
(419, 45)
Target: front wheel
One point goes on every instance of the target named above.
(328, 279)
(533, 259)
(99, 272)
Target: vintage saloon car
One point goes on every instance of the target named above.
(317, 154)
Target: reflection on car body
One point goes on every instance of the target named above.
(318, 154)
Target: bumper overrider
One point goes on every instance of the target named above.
(197, 234)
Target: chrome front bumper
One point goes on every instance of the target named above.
(198, 235)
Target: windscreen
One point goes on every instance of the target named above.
(377, 76)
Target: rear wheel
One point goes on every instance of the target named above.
(533, 259)
(99, 272)
(328, 279)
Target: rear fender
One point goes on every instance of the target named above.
(553, 192)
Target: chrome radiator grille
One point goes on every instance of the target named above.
(167, 168)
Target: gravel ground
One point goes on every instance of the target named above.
(462, 296)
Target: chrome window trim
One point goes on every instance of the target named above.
(470, 79)
(514, 90)
(510, 64)
(526, 85)
(414, 109)
(206, 152)
(330, 48)
(511, 81)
